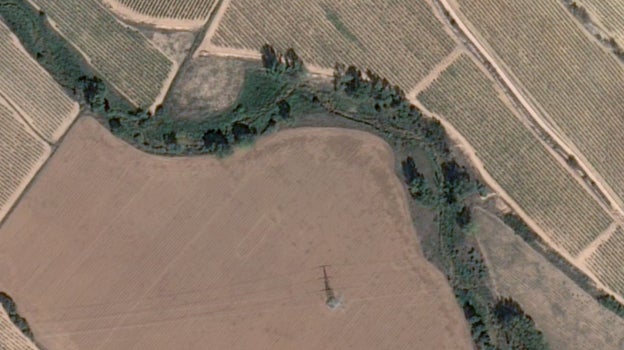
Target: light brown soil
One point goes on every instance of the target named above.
(115, 249)
(569, 317)
(176, 45)
(207, 85)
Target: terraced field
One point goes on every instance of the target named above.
(607, 262)
(10, 337)
(122, 55)
(32, 91)
(23, 153)
(575, 82)
(179, 9)
(400, 40)
(514, 157)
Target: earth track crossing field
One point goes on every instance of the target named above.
(608, 15)
(22, 153)
(607, 262)
(30, 89)
(122, 55)
(575, 81)
(570, 318)
(113, 248)
(514, 157)
(11, 338)
(399, 40)
(179, 9)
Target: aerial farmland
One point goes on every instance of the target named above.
(236, 174)
(164, 282)
(181, 14)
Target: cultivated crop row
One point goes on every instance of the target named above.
(576, 82)
(513, 156)
(11, 338)
(122, 55)
(400, 40)
(31, 89)
(606, 262)
(22, 154)
(178, 9)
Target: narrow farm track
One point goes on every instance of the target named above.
(479, 50)
(408, 40)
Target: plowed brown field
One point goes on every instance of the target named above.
(115, 249)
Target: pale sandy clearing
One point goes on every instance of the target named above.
(116, 249)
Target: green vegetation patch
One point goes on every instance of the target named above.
(335, 20)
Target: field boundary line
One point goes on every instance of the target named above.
(14, 198)
(22, 115)
(62, 128)
(167, 23)
(213, 25)
(166, 83)
(467, 150)
(483, 55)
(593, 246)
(435, 72)
(246, 54)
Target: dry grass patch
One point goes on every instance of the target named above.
(514, 157)
(117, 249)
(208, 85)
(399, 40)
(30, 89)
(569, 317)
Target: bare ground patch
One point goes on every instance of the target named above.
(209, 84)
(569, 317)
(116, 249)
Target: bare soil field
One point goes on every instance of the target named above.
(11, 338)
(569, 317)
(116, 249)
(399, 40)
(207, 85)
